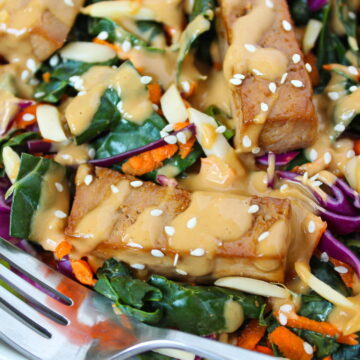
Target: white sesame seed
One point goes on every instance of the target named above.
(168, 127)
(297, 83)
(352, 15)
(296, 58)
(170, 139)
(311, 226)
(181, 272)
(327, 158)
(126, 46)
(197, 252)
(155, 107)
(138, 266)
(250, 47)
(283, 319)
(66, 156)
(263, 236)
(69, 3)
(146, 80)
(176, 259)
(163, 134)
(156, 212)
(59, 187)
(181, 137)
(269, 4)
(333, 95)
(313, 155)
(255, 150)
(191, 223)
(235, 82)
(353, 88)
(39, 94)
(239, 76)
(103, 35)
(186, 86)
(257, 72)
(88, 179)
(25, 74)
(347, 115)
(353, 70)
(28, 117)
(272, 87)
(350, 154)
(264, 107)
(339, 127)
(316, 183)
(286, 308)
(286, 25)
(134, 245)
(170, 230)
(91, 153)
(60, 214)
(220, 129)
(31, 65)
(284, 187)
(136, 183)
(283, 78)
(81, 93)
(308, 348)
(253, 209)
(324, 257)
(54, 60)
(114, 189)
(246, 141)
(308, 67)
(157, 253)
(341, 269)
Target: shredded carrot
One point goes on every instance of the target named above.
(290, 345)
(63, 249)
(184, 149)
(348, 277)
(180, 125)
(46, 77)
(327, 358)
(328, 67)
(155, 93)
(149, 160)
(108, 44)
(83, 272)
(264, 350)
(348, 339)
(251, 335)
(19, 120)
(357, 147)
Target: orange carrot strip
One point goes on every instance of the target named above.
(64, 248)
(20, 122)
(106, 43)
(327, 358)
(290, 345)
(264, 350)
(180, 125)
(83, 272)
(185, 149)
(46, 77)
(357, 147)
(348, 339)
(348, 277)
(155, 93)
(164, 152)
(251, 335)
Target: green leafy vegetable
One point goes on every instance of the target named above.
(300, 11)
(221, 118)
(201, 7)
(347, 353)
(315, 307)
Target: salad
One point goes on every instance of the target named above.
(195, 161)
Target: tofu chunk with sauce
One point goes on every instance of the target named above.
(197, 236)
(271, 89)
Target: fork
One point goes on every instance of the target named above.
(46, 316)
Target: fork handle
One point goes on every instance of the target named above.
(209, 349)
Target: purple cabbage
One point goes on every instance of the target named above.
(280, 159)
(64, 267)
(315, 5)
(39, 146)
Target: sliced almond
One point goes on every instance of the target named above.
(11, 163)
(173, 106)
(87, 52)
(49, 122)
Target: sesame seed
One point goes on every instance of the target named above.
(170, 230)
(269, 4)
(308, 67)
(256, 150)
(168, 127)
(163, 134)
(66, 156)
(283, 78)
(81, 93)
(284, 187)
(138, 266)
(181, 137)
(239, 76)
(353, 70)
(286, 25)
(220, 129)
(114, 189)
(311, 226)
(246, 141)
(134, 245)
(286, 308)
(156, 212)
(250, 47)
(235, 82)
(353, 88)
(181, 272)
(350, 154)
(69, 3)
(186, 86)
(253, 209)
(146, 80)
(59, 187)
(341, 269)
(25, 74)
(54, 60)
(88, 179)
(283, 319)
(191, 223)
(157, 253)
(347, 115)
(39, 94)
(313, 155)
(103, 35)
(316, 183)
(170, 139)
(91, 153)
(155, 107)
(339, 127)
(324, 257)
(297, 83)
(31, 65)
(176, 259)
(332, 95)
(263, 236)
(257, 72)
(327, 158)
(60, 214)
(136, 183)
(352, 15)
(28, 117)
(197, 252)
(308, 348)
(272, 87)
(264, 107)
(126, 46)
(296, 58)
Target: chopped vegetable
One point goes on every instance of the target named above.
(251, 335)
(63, 249)
(280, 159)
(83, 272)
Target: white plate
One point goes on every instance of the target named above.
(6, 353)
